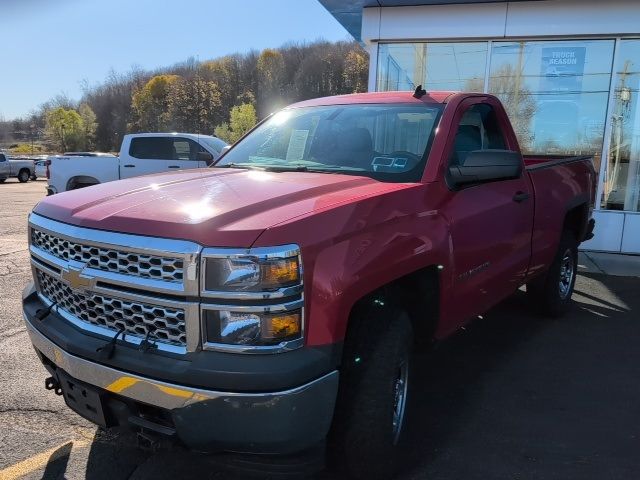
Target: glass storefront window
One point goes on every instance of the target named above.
(435, 66)
(622, 176)
(555, 92)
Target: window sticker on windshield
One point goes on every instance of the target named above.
(297, 144)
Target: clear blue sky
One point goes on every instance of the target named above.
(48, 47)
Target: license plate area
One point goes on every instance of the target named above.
(83, 399)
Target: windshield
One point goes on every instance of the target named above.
(388, 142)
(215, 143)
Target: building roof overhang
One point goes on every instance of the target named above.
(349, 12)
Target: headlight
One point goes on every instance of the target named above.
(255, 329)
(257, 270)
(252, 300)
(251, 274)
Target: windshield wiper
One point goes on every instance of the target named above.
(285, 168)
(291, 168)
(241, 165)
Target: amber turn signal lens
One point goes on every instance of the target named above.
(281, 272)
(281, 326)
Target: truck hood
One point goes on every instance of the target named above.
(213, 207)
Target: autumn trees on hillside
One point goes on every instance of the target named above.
(226, 95)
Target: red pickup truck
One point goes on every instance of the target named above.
(270, 304)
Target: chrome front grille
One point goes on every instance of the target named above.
(156, 267)
(103, 282)
(164, 324)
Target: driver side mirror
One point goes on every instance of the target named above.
(205, 157)
(482, 166)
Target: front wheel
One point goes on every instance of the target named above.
(23, 176)
(552, 293)
(372, 400)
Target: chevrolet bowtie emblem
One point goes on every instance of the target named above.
(76, 279)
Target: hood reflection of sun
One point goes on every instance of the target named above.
(198, 210)
(259, 176)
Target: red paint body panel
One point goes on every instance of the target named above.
(357, 234)
(216, 207)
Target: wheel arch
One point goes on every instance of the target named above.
(80, 181)
(576, 218)
(417, 293)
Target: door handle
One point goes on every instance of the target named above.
(520, 197)
(129, 166)
(174, 166)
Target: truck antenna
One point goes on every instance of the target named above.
(420, 92)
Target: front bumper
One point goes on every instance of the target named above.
(280, 422)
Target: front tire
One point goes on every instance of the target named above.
(372, 400)
(551, 294)
(23, 176)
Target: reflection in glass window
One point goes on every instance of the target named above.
(622, 178)
(555, 92)
(435, 66)
(387, 142)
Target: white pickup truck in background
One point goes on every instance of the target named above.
(140, 154)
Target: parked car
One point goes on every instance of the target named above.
(273, 301)
(23, 170)
(140, 154)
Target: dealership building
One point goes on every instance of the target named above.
(567, 71)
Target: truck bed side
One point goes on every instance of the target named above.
(65, 170)
(565, 183)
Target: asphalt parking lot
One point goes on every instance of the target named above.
(513, 396)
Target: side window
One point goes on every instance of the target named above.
(181, 149)
(479, 129)
(2, 157)
(185, 149)
(151, 148)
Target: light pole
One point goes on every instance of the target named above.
(62, 135)
(32, 127)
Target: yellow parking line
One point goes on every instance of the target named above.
(39, 460)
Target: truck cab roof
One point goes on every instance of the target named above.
(377, 97)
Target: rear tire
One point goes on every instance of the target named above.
(23, 176)
(372, 399)
(551, 294)
(2, 180)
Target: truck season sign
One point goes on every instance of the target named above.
(562, 69)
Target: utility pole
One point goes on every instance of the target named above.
(62, 135)
(623, 98)
(420, 65)
(518, 79)
(32, 127)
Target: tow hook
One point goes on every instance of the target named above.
(53, 384)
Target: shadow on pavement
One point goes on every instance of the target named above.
(520, 396)
(57, 463)
(513, 396)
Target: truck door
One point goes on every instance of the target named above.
(4, 166)
(491, 223)
(146, 155)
